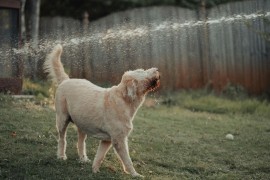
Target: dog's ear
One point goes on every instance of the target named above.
(132, 89)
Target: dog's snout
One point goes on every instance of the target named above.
(157, 75)
(152, 70)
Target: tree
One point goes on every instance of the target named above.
(30, 13)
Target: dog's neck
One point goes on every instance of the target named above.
(133, 102)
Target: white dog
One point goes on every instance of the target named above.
(104, 113)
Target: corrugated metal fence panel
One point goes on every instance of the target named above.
(188, 55)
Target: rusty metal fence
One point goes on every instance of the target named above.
(193, 49)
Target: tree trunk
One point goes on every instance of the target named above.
(32, 9)
(23, 29)
(35, 22)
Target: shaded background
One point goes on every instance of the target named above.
(98, 9)
(194, 43)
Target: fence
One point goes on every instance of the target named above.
(10, 64)
(189, 53)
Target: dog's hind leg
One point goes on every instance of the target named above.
(61, 124)
(81, 146)
(103, 148)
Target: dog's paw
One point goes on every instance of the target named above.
(62, 157)
(84, 159)
(137, 175)
(95, 169)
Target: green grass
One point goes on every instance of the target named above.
(183, 137)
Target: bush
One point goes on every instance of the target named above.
(43, 91)
(234, 92)
(208, 101)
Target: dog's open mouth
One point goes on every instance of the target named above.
(154, 84)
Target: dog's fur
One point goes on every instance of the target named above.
(104, 113)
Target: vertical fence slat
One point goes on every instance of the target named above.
(187, 55)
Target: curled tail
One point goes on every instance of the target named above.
(54, 67)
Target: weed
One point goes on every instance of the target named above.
(234, 92)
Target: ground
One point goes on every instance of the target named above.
(181, 137)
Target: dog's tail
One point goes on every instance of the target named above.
(54, 67)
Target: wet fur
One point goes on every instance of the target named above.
(104, 113)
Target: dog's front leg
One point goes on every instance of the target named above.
(81, 146)
(103, 148)
(121, 148)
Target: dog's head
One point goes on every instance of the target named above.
(139, 82)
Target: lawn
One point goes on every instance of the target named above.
(182, 137)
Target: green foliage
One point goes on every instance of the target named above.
(43, 91)
(234, 99)
(35, 88)
(234, 92)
